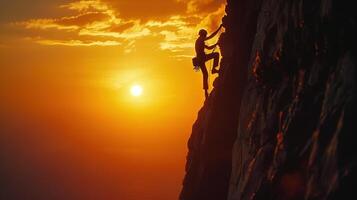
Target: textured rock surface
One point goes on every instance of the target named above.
(280, 121)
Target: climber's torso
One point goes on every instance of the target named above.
(200, 47)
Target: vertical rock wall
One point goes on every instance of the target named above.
(280, 121)
(209, 159)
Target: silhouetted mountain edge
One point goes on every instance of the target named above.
(280, 121)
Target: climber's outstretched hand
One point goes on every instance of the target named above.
(214, 33)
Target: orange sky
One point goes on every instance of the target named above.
(69, 127)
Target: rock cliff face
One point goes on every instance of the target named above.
(280, 121)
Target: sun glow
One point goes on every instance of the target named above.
(136, 90)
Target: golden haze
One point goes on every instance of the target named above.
(69, 127)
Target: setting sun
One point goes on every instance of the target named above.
(94, 92)
(136, 90)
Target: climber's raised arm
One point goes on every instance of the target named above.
(214, 33)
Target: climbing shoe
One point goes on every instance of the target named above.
(215, 71)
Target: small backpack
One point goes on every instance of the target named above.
(196, 64)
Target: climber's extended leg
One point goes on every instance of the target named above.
(215, 57)
(205, 78)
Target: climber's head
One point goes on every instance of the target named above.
(203, 33)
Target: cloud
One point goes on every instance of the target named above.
(102, 23)
(134, 31)
(90, 13)
(202, 6)
(121, 27)
(175, 46)
(146, 10)
(82, 19)
(130, 47)
(85, 5)
(78, 43)
(214, 19)
(93, 19)
(174, 21)
(45, 24)
(66, 23)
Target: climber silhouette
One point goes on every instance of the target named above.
(202, 57)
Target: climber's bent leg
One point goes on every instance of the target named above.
(215, 57)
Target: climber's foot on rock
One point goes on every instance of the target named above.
(206, 94)
(215, 71)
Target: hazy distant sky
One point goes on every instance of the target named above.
(69, 128)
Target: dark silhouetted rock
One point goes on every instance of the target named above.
(279, 123)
